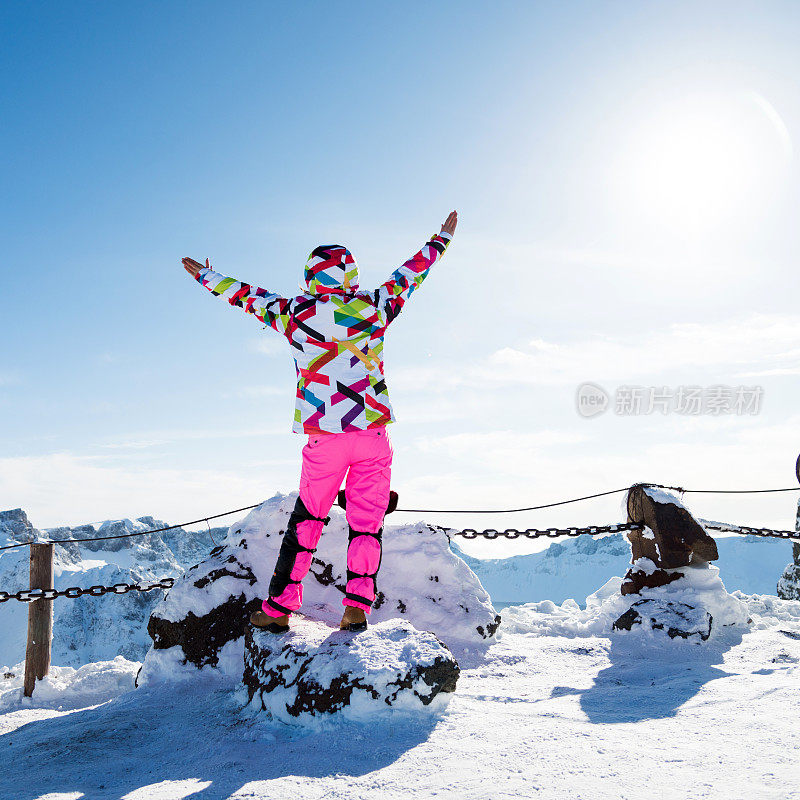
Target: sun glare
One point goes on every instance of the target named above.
(703, 161)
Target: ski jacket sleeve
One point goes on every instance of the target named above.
(267, 307)
(392, 295)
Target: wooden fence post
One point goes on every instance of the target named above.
(40, 618)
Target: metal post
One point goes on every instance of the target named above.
(40, 618)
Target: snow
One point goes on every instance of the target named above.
(701, 587)
(170, 665)
(660, 495)
(556, 706)
(67, 688)
(539, 714)
(646, 565)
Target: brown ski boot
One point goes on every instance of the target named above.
(272, 624)
(354, 620)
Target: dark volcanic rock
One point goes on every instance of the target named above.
(314, 671)
(677, 619)
(226, 584)
(637, 579)
(201, 638)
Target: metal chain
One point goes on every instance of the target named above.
(593, 530)
(534, 533)
(29, 595)
(755, 531)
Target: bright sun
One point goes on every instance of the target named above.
(702, 161)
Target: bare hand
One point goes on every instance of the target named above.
(193, 267)
(450, 223)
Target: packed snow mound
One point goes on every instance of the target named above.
(89, 629)
(421, 580)
(700, 588)
(314, 672)
(767, 611)
(66, 688)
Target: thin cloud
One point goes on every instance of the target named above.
(160, 438)
(754, 346)
(69, 489)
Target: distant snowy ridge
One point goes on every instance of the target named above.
(89, 629)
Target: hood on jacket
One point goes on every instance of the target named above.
(331, 269)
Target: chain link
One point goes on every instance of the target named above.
(755, 531)
(594, 530)
(535, 533)
(29, 595)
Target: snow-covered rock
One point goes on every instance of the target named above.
(789, 582)
(670, 537)
(421, 580)
(89, 629)
(700, 588)
(314, 671)
(677, 619)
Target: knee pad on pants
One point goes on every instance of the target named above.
(364, 555)
(291, 547)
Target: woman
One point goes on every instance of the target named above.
(336, 334)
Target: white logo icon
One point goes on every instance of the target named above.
(591, 399)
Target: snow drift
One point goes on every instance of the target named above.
(700, 588)
(67, 688)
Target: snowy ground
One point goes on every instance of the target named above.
(557, 708)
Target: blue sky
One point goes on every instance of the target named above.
(627, 185)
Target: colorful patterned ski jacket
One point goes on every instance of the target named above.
(336, 333)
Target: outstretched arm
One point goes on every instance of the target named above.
(393, 294)
(269, 308)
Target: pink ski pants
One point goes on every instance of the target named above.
(366, 458)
